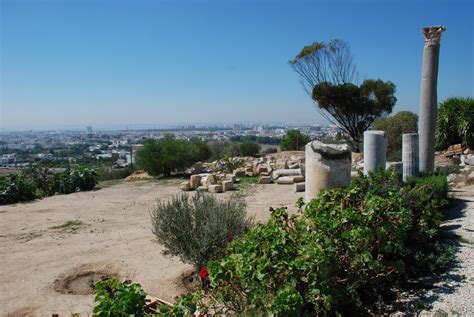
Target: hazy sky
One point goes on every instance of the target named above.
(73, 63)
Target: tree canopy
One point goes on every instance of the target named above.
(329, 75)
(294, 140)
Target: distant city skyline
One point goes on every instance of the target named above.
(106, 63)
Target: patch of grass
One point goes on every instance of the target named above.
(246, 185)
(68, 224)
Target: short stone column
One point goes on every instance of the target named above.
(410, 158)
(375, 151)
(428, 96)
(327, 166)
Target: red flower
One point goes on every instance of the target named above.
(229, 238)
(203, 273)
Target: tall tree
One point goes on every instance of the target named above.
(329, 76)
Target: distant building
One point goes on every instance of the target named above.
(89, 129)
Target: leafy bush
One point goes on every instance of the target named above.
(75, 179)
(107, 174)
(118, 299)
(42, 179)
(14, 189)
(198, 228)
(395, 127)
(343, 253)
(294, 140)
(455, 123)
(249, 148)
(168, 155)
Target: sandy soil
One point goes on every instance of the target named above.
(115, 236)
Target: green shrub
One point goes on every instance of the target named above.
(395, 126)
(14, 189)
(107, 174)
(118, 299)
(75, 179)
(344, 253)
(294, 140)
(455, 123)
(249, 148)
(42, 179)
(169, 155)
(197, 228)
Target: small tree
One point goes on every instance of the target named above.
(294, 140)
(200, 151)
(455, 123)
(198, 228)
(328, 74)
(395, 127)
(249, 148)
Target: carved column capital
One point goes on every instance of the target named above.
(432, 34)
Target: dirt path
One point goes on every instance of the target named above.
(109, 232)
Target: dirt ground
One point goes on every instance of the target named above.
(42, 260)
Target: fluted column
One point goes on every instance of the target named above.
(428, 96)
(410, 159)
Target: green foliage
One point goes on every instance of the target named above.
(294, 140)
(249, 148)
(169, 155)
(107, 174)
(42, 179)
(14, 189)
(75, 179)
(455, 123)
(231, 164)
(197, 228)
(354, 108)
(342, 254)
(395, 127)
(118, 299)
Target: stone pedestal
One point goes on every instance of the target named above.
(410, 158)
(428, 97)
(327, 166)
(375, 151)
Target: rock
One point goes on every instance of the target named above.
(469, 160)
(201, 189)
(215, 188)
(294, 166)
(208, 180)
(265, 180)
(197, 168)
(261, 169)
(195, 181)
(184, 186)
(452, 178)
(285, 180)
(455, 149)
(298, 178)
(265, 174)
(286, 172)
(300, 187)
(470, 178)
(240, 172)
(232, 178)
(327, 166)
(227, 185)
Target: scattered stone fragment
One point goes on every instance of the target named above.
(240, 172)
(195, 181)
(298, 178)
(265, 180)
(227, 185)
(300, 187)
(286, 172)
(184, 186)
(285, 180)
(208, 180)
(215, 188)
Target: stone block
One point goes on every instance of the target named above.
(227, 185)
(215, 188)
(285, 180)
(240, 172)
(286, 172)
(298, 178)
(208, 180)
(265, 180)
(195, 181)
(300, 187)
(184, 186)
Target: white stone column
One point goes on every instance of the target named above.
(327, 166)
(428, 96)
(410, 157)
(375, 151)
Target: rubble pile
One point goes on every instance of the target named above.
(220, 176)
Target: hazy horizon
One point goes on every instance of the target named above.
(126, 63)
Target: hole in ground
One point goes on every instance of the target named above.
(81, 282)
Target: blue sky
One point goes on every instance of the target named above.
(120, 63)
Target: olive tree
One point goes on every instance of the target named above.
(329, 76)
